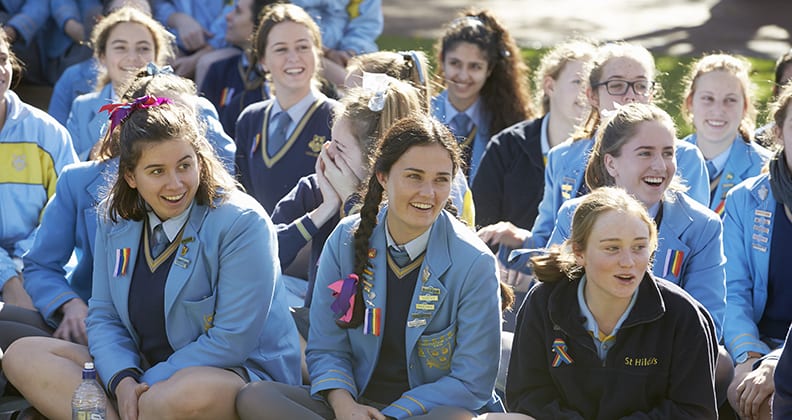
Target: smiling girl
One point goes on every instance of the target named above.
(185, 295)
(278, 140)
(718, 101)
(123, 42)
(407, 332)
(600, 336)
(635, 150)
(486, 83)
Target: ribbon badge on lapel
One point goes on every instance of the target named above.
(673, 262)
(122, 261)
(561, 355)
(344, 293)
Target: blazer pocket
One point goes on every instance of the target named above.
(201, 311)
(435, 350)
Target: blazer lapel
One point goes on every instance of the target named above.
(429, 291)
(124, 240)
(186, 256)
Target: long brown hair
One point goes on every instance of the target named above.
(505, 95)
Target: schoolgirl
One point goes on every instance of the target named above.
(278, 140)
(185, 294)
(619, 74)
(756, 232)
(123, 42)
(69, 225)
(235, 82)
(317, 203)
(397, 329)
(510, 177)
(485, 80)
(718, 100)
(602, 337)
(36, 148)
(634, 150)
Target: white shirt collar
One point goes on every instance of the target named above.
(171, 226)
(415, 247)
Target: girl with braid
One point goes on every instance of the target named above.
(397, 330)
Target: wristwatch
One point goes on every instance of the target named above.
(744, 356)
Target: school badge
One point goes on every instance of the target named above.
(316, 144)
(19, 162)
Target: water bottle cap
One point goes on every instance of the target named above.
(89, 365)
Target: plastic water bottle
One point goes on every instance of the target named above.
(88, 401)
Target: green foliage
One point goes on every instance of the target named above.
(672, 73)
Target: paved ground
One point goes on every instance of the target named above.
(750, 27)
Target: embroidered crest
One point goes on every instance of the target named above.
(316, 143)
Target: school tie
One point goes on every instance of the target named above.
(281, 122)
(460, 126)
(712, 170)
(399, 255)
(159, 241)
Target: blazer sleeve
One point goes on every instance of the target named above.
(243, 297)
(741, 333)
(530, 388)
(109, 341)
(291, 219)
(476, 356)
(45, 277)
(705, 275)
(364, 26)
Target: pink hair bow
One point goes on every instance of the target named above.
(121, 111)
(344, 294)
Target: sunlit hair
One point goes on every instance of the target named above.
(17, 66)
(274, 14)
(615, 132)
(505, 94)
(554, 62)
(415, 130)
(780, 67)
(738, 67)
(367, 125)
(163, 40)
(593, 75)
(779, 110)
(149, 126)
(408, 66)
(178, 88)
(558, 263)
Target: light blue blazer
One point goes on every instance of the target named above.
(745, 160)
(747, 235)
(68, 224)
(687, 227)
(565, 173)
(465, 323)
(85, 122)
(87, 125)
(224, 305)
(482, 132)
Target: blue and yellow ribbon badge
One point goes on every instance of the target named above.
(561, 355)
(122, 261)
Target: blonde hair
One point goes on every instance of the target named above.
(554, 62)
(738, 67)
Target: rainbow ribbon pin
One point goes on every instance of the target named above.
(561, 355)
(122, 261)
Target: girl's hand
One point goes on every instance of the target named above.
(503, 233)
(331, 202)
(128, 393)
(346, 408)
(341, 176)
